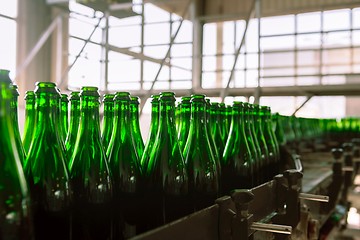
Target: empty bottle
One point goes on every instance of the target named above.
(135, 127)
(224, 121)
(184, 126)
(30, 120)
(74, 125)
(215, 127)
(89, 174)
(265, 144)
(108, 119)
(238, 161)
(252, 142)
(199, 159)
(214, 149)
(154, 127)
(166, 181)
(46, 171)
(124, 165)
(64, 119)
(15, 122)
(15, 217)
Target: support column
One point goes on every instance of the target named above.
(34, 17)
(196, 9)
(219, 51)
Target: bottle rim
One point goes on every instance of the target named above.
(75, 96)
(46, 87)
(122, 96)
(4, 76)
(14, 90)
(89, 91)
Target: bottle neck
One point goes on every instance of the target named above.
(122, 117)
(236, 121)
(46, 114)
(134, 116)
(108, 109)
(185, 113)
(74, 115)
(14, 109)
(29, 107)
(154, 117)
(90, 119)
(167, 118)
(198, 116)
(5, 99)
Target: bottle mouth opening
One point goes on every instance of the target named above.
(167, 96)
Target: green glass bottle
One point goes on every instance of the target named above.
(166, 180)
(288, 131)
(184, 125)
(228, 115)
(108, 119)
(74, 125)
(199, 159)
(215, 126)
(259, 144)
(214, 149)
(154, 127)
(264, 142)
(124, 165)
(252, 142)
(223, 120)
(135, 127)
(279, 131)
(46, 170)
(177, 116)
(89, 174)
(15, 218)
(64, 119)
(30, 120)
(238, 161)
(15, 122)
(269, 139)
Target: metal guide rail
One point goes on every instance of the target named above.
(271, 209)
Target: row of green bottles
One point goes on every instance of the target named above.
(291, 130)
(95, 178)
